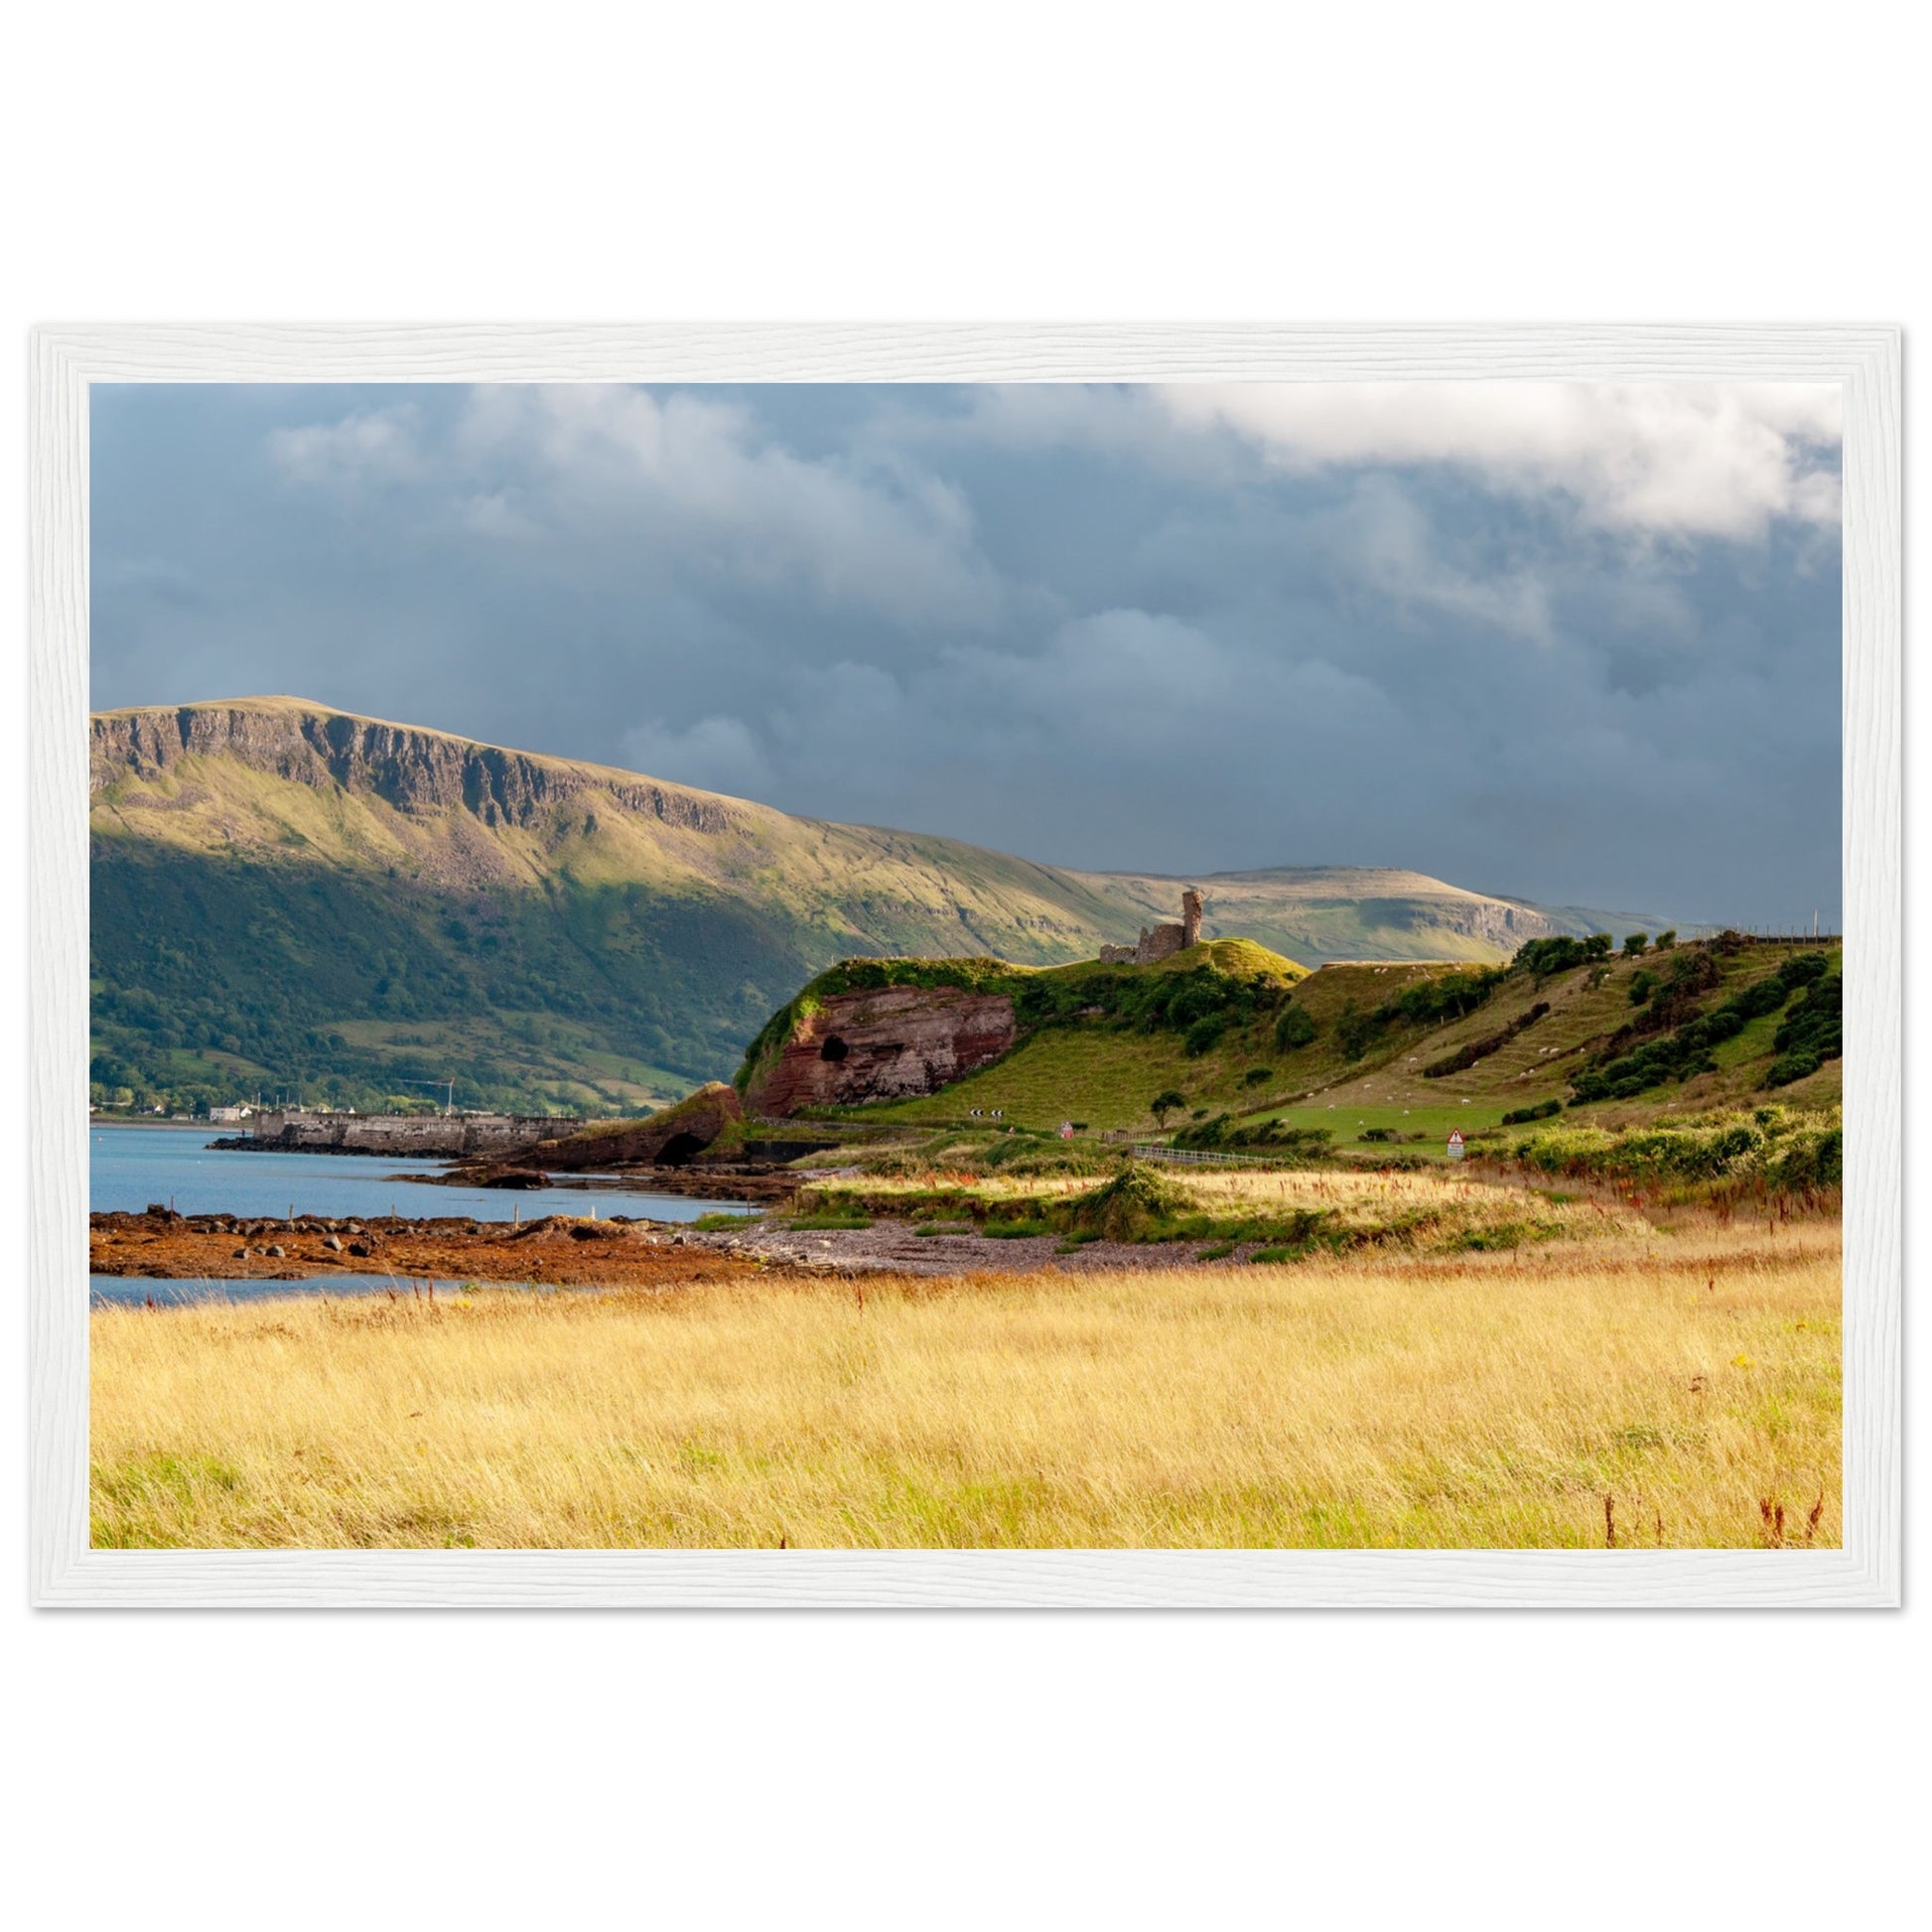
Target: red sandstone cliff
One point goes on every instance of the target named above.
(885, 1044)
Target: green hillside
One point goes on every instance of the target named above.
(1395, 1055)
(288, 897)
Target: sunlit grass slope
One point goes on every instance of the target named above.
(1480, 1401)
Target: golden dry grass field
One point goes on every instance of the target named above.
(1691, 1376)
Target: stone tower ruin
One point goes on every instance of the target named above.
(1162, 941)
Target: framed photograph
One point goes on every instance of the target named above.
(940, 966)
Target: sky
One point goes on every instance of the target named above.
(1574, 642)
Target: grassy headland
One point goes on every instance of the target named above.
(1387, 1057)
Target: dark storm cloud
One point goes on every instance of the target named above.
(1569, 641)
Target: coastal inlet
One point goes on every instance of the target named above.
(131, 1168)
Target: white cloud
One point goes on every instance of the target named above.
(1671, 459)
(701, 477)
(370, 446)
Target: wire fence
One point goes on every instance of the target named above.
(1773, 936)
(1190, 1156)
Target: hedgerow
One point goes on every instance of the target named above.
(1786, 1152)
(1813, 1031)
(1306, 1145)
(1687, 1052)
(1428, 1003)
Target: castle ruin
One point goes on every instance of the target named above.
(1162, 941)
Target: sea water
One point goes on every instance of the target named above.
(132, 1168)
(138, 1290)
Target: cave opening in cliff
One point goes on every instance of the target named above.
(834, 1049)
(678, 1150)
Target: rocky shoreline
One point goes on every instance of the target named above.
(555, 1250)
(745, 1181)
(568, 1251)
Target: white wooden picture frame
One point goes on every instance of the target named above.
(67, 360)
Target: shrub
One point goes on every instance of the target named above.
(1137, 1201)
(1294, 1028)
(1642, 985)
(1813, 1031)
(1023, 1155)
(1767, 996)
(1694, 967)
(1808, 1161)
(1666, 940)
(1541, 958)
(1543, 1110)
(1450, 996)
(1635, 945)
(1257, 1076)
(1802, 969)
(1203, 1036)
(1354, 1030)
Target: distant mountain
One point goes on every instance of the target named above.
(1321, 913)
(289, 897)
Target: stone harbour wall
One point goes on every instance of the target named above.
(435, 1134)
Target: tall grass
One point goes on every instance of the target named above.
(1480, 1400)
(1143, 1203)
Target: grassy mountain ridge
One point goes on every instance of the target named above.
(1323, 913)
(290, 897)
